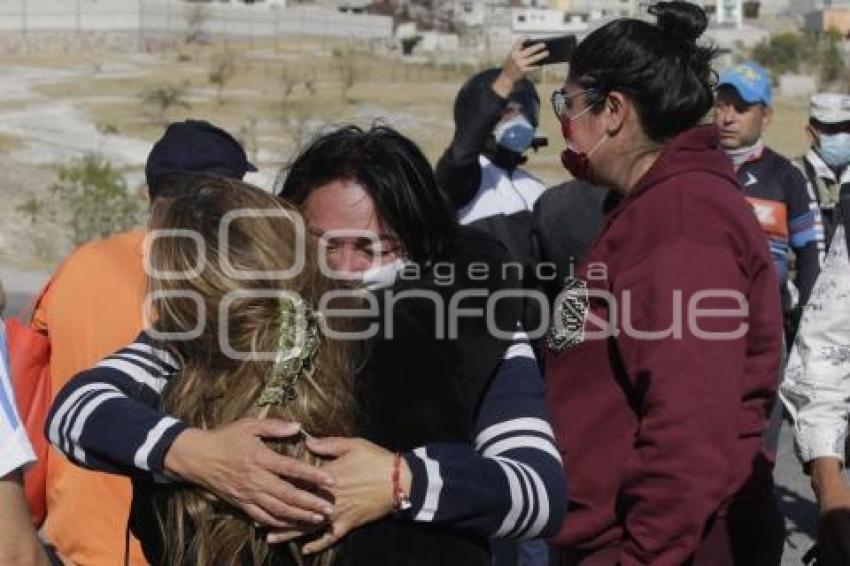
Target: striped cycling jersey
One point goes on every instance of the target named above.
(789, 214)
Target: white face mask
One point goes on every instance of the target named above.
(383, 275)
(515, 134)
(835, 150)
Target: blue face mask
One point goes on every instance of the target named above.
(515, 134)
(835, 149)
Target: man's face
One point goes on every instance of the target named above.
(343, 216)
(740, 123)
(817, 129)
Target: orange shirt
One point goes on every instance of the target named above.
(92, 309)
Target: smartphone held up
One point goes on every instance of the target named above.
(560, 48)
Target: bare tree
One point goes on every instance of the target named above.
(346, 70)
(163, 98)
(197, 14)
(310, 84)
(222, 71)
(289, 81)
(299, 125)
(248, 135)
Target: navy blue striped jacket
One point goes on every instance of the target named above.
(510, 484)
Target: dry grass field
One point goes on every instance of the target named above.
(59, 104)
(55, 106)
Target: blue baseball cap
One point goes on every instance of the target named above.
(196, 146)
(751, 81)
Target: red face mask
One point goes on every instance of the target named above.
(577, 164)
(574, 161)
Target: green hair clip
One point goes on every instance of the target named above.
(296, 350)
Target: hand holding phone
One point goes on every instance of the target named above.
(559, 48)
(524, 58)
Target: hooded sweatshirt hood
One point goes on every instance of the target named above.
(696, 150)
(524, 94)
(655, 401)
(468, 111)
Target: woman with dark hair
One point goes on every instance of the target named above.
(389, 168)
(455, 444)
(663, 357)
(471, 400)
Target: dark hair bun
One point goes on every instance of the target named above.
(682, 19)
(660, 67)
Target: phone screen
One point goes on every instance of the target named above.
(559, 48)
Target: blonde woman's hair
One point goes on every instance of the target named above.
(213, 388)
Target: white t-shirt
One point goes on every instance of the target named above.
(15, 448)
(501, 193)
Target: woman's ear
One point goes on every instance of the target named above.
(617, 109)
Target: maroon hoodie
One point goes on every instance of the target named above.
(660, 432)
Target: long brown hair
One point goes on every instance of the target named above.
(215, 388)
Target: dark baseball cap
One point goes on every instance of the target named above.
(196, 146)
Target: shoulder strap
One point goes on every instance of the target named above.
(826, 193)
(843, 210)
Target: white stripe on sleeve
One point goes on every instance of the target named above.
(79, 423)
(155, 435)
(161, 355)
(526, 495)
(522, 424)
(435, 486)
(519, 350)
(138, 373)
(542, 497)
(141, 361)
(512, 442)
(68, 405)
(510, 521)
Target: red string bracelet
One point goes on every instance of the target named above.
(400, 499)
